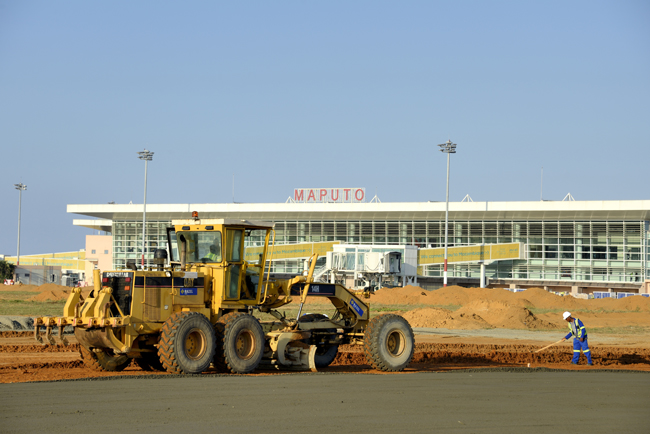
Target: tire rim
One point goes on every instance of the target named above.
(245, 345)
(395, 343)
(195, 344)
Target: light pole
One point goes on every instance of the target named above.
(146, 156)
(20, 187)
(447, 148)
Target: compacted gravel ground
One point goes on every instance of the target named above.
(492, 400)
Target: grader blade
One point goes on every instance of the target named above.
(289, 352)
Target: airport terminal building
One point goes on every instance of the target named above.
(583, 246)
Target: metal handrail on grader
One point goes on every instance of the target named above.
(195, 309)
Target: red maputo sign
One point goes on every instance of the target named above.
(329, 195)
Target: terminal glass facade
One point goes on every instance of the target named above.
(127, 241)
(555, 250)
(580, 250)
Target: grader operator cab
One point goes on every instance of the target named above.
(195, 309)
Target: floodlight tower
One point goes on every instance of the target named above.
(20, 187)
(146, 156)
(448, 148)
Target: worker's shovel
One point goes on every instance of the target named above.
(548, 346)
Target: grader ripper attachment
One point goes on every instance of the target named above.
(195, 309)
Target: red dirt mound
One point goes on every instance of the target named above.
(27, 288)
(533, 297)
(634, 303)
(433, 317)
(53, 287)
(52, 295)
(503, 315)
(410, 295)
(478, 314)
(542, 299)
(450, 295)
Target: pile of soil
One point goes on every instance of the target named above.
(499, 308)
(52, 295)
(45, 292)
(478, 314)
(503, 315)
(442, 318)
(533, 297)
(27, 288)
(51, 289)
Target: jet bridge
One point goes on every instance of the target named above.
(370, 267)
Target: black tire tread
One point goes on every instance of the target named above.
(167, 345)
(89, 359)
(371, 342)
(222, 328)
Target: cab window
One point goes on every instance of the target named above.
(234, 248)
(202, 246)
(233, 252)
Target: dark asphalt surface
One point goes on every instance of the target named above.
(486, 401)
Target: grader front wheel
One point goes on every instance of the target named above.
(389, 343)
(187, 343)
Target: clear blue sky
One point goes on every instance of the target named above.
(289, 94)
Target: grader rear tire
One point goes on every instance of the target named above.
(219, 361)
(389, 343)
(103, 360)
(187, 343)
(242, 343)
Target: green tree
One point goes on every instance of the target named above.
(6, 270)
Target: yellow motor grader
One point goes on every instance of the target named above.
(195, 308)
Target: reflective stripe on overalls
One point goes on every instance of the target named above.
(578, 331)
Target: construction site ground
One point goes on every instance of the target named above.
(474, 369)
(455, 328)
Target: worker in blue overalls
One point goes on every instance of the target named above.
(579, 333)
